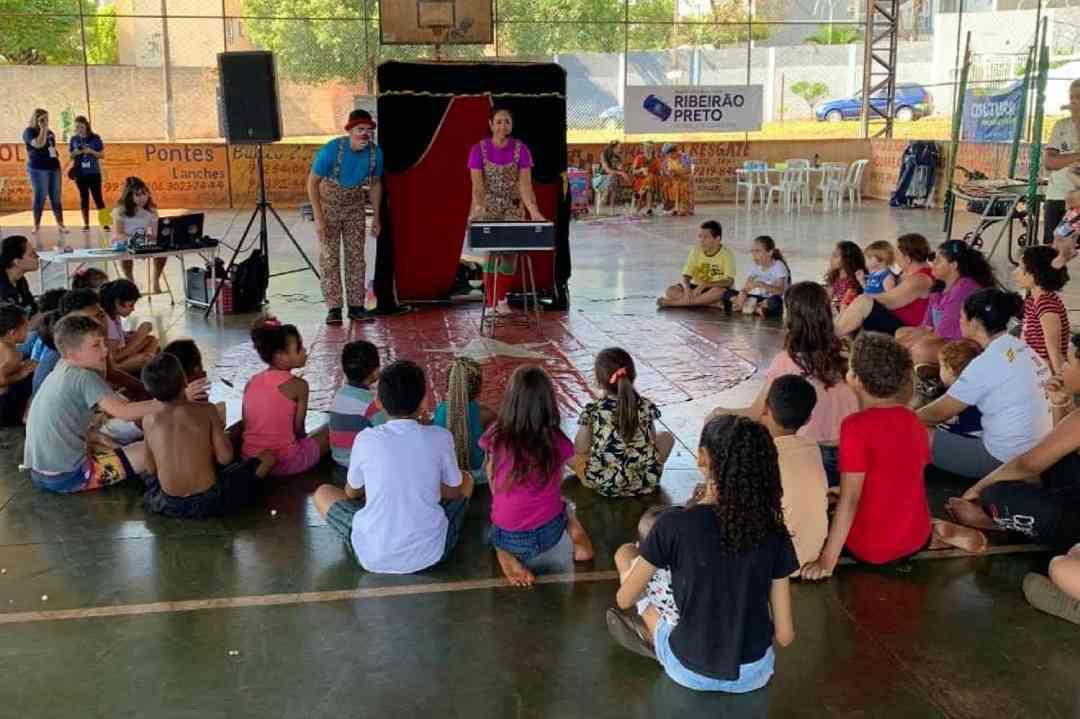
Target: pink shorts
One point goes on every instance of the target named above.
(299, 457)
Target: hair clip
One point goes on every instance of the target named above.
(617, 375)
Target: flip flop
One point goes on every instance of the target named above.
(1044, 596)
(628, 633)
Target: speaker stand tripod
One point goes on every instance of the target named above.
(262, 206)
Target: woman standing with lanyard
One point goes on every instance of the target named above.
(43, 166)
(86, 149)
(502, 191)
(338, 197)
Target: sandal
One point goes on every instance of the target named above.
(1046, 597)
(629, 633)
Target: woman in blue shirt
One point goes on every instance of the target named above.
(43, 167)
(86, 149)
(336, 188)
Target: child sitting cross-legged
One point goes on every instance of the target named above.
(354, 408)
(730, 556)
(276, 402)
(763, 291)
(405, 499)
(883, 515)
(465, 417)
(16, 373)
(189, 454)
(532, 527)
(62, 453)
(130, 350)
(618, 452)
(708, 273)
(788, 406)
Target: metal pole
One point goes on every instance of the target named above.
(1021, 115)
(85, 64)
(1035, 149)
(868, 43)
(166, 74)
(959, 27)
(954, 144)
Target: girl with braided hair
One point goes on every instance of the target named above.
(730, 556)
(465, 417)
(618, 452)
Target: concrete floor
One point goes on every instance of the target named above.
(265, 614)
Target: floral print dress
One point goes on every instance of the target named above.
(616, 468)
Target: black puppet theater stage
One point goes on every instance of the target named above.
(430, 115)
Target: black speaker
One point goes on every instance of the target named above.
(248, 97)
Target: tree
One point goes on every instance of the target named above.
(52, 38)
(344, 48)
(47, 32)
(811, 92)
(101, 44)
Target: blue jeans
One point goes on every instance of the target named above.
(752, 675)
(42, 183)
(530, 544)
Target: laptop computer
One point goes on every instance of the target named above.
(180, 231)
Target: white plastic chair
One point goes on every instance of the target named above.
(832, 179)
(789, 189)
(754, 177)
(852, 184)
(803, 166)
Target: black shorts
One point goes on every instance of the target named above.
(881, 319)
(1047, 512)
(1053, 213)
(236, 489)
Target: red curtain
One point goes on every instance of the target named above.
(429, 206)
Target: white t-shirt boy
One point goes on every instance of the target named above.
(1006, 383)
(401, 465)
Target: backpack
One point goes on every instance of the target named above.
(250, 280)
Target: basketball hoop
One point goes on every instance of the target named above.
(438, 16)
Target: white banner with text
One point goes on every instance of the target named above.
(655, 109)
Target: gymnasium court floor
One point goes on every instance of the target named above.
(109, 612)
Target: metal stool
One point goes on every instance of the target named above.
(528, 280)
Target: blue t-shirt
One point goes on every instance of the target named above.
(354, 165)
(45, 366)
(476, 428)
(38, 158)
(875, 282)
(87, 164)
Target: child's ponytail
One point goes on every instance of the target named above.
(615, 374)
(462, 387)
(270, 337)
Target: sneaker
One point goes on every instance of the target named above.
(501, 309)
(1046, 597)
(629, 632)
(86, 228)
(333, 317)
(360, 314)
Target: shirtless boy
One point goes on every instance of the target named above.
(189, 453)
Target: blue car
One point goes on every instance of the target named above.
(912, 102)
